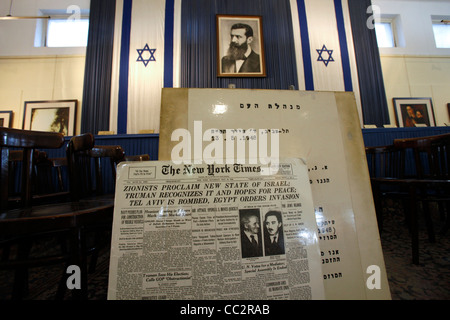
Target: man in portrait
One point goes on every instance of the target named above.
(241, 58)
(410, 118)
(273, 233)
(251, 242)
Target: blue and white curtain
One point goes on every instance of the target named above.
(147, 53)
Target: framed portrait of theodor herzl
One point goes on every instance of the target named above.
(240, 46)
(414, 112)
(51, 116)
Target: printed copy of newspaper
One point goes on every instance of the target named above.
(214, 231)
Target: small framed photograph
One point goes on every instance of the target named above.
(240, 46)
(6, 118)
(414, 112)
(51, 116)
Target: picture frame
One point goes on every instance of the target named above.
(414, 112)
(51, 116)
(6, 119)
(245, 32)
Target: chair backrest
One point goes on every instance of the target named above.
(384, 161)
(85, 167)
(115, 154)
(79, 166)
(41, 178)
(431, 155)
(27, 141)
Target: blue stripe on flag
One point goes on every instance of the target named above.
(168, 44)
(124, 68)
(306, 49)
(343, 45)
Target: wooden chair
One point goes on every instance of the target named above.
(59, 164)
(17, 230)
(430, 154)
(70, 221)
(422, 175)
(86, 184)
(102, 156)
(431, 167)
(46, 187)
(15, 175)
(115, 154)
(384, 163)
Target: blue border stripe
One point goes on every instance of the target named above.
(124, 67)
(168, 43)
(306, 48)
(344, 47)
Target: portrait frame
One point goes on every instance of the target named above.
(51, 116)
(6, 119)
(406, 108)
(223, 28)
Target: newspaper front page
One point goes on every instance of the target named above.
(214, 231)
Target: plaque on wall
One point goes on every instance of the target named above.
(321, 128)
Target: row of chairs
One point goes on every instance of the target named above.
(417, 171)
(30, 216)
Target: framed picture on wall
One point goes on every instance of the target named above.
(240, 46)
(6, 118)
(51, 116)
(414, 112)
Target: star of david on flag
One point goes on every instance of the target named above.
(321, 51)
(150, 56)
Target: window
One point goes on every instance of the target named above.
(385, 34)
(67, 32)
(66, 28)
(441, 30)
(389, 31)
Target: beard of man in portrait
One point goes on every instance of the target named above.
(237, 51)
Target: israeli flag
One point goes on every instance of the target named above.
(146, 53)
(324, 45)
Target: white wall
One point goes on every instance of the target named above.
(418, 68)
(17, 36)
(29, 73)
(415, 20)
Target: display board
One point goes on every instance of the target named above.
(322, 128)
(214, 231)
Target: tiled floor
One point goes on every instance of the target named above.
(430, 280)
